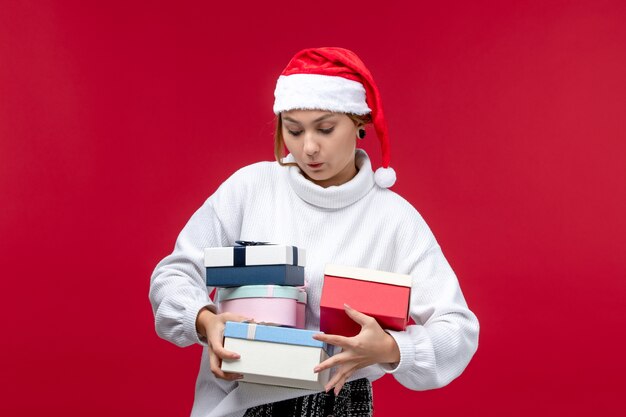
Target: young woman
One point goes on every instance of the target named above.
(324, 197)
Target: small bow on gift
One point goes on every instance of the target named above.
(250, 243)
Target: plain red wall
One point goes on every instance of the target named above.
(507, 120)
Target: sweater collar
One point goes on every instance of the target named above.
(335, 196)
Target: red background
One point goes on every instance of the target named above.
(507, 119)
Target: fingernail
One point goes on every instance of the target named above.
(239, 376)
(316, 369)
(347, 306)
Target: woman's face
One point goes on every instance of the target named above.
(323, 144)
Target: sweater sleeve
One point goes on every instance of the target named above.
(440, 345)
(178, 288)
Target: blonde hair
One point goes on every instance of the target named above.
(279, 141)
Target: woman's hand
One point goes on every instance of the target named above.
(211, 326)
(372, 345)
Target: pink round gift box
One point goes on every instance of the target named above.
(301, 318)
(268, 304)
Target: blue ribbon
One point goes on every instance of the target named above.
(239, 256)
(251, 243)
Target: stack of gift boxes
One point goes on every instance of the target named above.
(265, 282)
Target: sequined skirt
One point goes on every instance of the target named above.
(354, 400)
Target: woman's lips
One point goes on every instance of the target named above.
(314, 166)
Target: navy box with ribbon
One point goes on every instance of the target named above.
(254, 263)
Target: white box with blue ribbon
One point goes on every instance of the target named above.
(275, 355)
(254, 263)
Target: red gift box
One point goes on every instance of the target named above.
(382, 295)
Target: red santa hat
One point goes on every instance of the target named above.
(335, 79)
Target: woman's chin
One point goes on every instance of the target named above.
(316, 176)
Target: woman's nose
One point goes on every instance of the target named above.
(311, 147)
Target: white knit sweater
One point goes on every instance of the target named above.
(357, 224)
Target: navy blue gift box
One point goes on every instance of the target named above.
(252, 263)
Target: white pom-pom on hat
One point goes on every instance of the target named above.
(335, 79)
(385, 177)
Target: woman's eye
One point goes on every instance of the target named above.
(292, 133)
(327, 131)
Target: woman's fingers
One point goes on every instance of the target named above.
(222, 353)
(234, 317)
(216, 364)
(334, 381)
(357, 316)
(334, 360)
(217, 347)
(216, 332)
(339, 379)
(333, 339)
